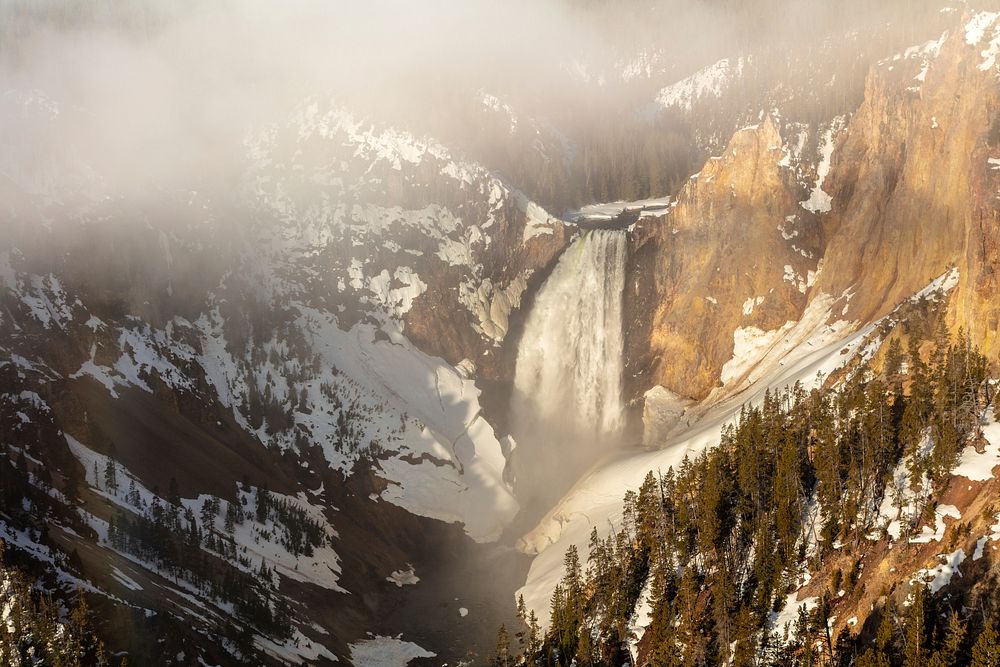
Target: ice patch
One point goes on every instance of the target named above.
(661, 411)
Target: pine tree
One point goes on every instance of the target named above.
(262, 508)
(111, 476)
(883, 636)
(914, 654)
(501, 655)
(786, 495)
(534, 642)
(986, 650)
(133, 495)
(231, 517)
(894, 359)
(873, 657)
(954, 639)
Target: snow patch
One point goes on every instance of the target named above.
(751, 303)
(402, 578)
(608, 211)
(749, 345)
(538, 222)
(386, 652)
(976, 28)
(785, 620)
(492, 304)
(708, 82)
(980, 544)
(927, 534)
(124, 579)
(819, 201)
(641, 619)
(940, 576)
(976, 466)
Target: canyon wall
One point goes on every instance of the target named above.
(896, 194)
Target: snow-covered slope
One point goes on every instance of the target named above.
(805, 353)
(299, 329)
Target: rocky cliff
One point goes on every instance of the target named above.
(735, 252)
(912, 186)
(892, 196)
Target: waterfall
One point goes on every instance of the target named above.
(569, 362)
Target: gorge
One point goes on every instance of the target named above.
(659, 323)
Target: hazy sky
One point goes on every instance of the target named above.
(154, 96)
(157, 92)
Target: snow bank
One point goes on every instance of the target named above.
(459, 474)
(757, 353)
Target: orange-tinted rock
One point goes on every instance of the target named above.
(695, 272)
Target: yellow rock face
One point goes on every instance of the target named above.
(909, 187)
(913, 193)
(717, 262)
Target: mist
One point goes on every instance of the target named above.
(138, 99)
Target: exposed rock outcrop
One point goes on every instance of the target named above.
(735, 251)
(911, 185)
(469, 316)
(909, 191)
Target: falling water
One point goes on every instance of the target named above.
(569, 362)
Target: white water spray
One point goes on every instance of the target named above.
(569, 362)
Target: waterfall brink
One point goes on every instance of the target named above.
(569, 362)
